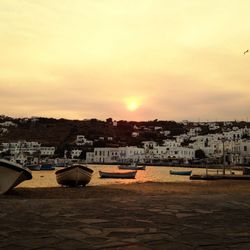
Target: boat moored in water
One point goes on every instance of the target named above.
(75, 175)
(47, 167)
(181, 172)
(132, 166)
(122, 175)
(12, 174)
(34, 167)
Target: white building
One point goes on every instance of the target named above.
(81, 141)
(234, 134)
(106, 155)
(75, 153)
(241, 152)
(180, 153)
(135, 134)
(171, 143)
(131, 154)
(47, 151)
(149, 144)
(8, 124)
(166, 132)
(90, 157)
(21, 146)
(194, 131)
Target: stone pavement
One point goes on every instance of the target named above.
(132, 221)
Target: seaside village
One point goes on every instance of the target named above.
(231, 147)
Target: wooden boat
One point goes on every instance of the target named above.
(123, 175)
(132, 166)
(75, 175)
(175, 172)
(12, 174)
(47, 167)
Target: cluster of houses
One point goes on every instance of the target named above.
(232, 147)
(26, 152)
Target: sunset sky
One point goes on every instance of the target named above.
(128, 59)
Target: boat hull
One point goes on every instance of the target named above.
(173, 172)
(76, 175)
(47, 167)
(34, 167)
(11, 175)
(124, 175)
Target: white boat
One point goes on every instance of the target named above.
(75, 175)
(12, 174)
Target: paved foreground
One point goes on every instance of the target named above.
(123, 218)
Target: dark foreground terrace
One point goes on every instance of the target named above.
(200, 215)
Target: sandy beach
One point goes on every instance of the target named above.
(183, 215)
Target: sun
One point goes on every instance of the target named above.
(132, 103)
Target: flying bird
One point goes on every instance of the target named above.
(246, 52)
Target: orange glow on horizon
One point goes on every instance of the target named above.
(132, 103)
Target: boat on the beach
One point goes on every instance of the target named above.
(122, 175)
(132, 166)
(75, 175)
(12, 174)
(47, 167)
(181, 172)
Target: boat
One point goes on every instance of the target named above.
(12, 174)
(122, 175)
(175, 172)
(47, 167)
(34, 167)
(75, 175)
(132, 166)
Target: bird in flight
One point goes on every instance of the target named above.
(246, 52)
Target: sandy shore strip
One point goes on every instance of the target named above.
(126, 190)
(194, 215)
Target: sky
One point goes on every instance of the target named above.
(128, 59)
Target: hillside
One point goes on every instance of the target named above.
(56, 132)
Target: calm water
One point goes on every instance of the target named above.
(152, 173)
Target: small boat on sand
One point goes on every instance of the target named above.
(34, 167)
(132, 166)
(175, 172)
(122, 175)
(12, 174)
(47, 167)
(75, 175)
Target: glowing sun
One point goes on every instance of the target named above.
(132, 104)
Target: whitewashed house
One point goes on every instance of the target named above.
(149, 144)
(90, 157)
(135, 134)
(75, 153)
(131, 154)
(81, 141)
(234, 134)
(106, 155)
(47, 151)
(180, 153)
(171, 143)
(8, 124)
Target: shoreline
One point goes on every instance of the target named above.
(222, 187)
(203, 166)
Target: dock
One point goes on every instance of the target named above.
(220, 177)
